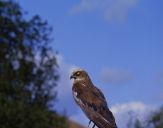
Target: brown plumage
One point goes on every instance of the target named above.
(91, 100)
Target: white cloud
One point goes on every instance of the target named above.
(115, 76)
(119, 10)
(113, 10)
(86, 6)
(64, 93)
(126, 114)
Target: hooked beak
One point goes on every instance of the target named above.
(72, 77)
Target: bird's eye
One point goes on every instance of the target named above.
(78, 73)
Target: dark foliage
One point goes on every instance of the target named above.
(28, 71)
(155, 120)
(138, 124)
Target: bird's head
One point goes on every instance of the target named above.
(79, 75)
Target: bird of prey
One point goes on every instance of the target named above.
(91, 100)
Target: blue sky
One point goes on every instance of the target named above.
(120, 44)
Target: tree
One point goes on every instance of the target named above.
(137, 124)
(28, 71)
(156, 119)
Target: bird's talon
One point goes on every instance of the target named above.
(89, 123)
